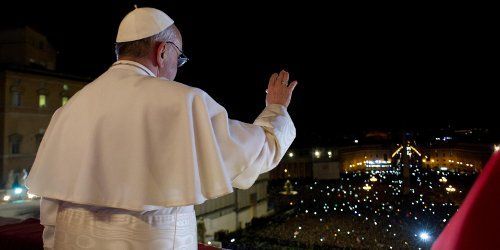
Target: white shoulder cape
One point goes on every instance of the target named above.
(127, 140)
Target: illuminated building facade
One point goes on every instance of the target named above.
(366, 157)
(306, 164)
(311, 164)
(293, 166)
(457, 156)
(30, 93)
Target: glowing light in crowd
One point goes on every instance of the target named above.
(443, 179)
(424, 236)
(232, 240)
(330, 154)
(367, 187)
(450, 189)
(31, 196)
(290, 154)
(496, 148)
(18, 190)
(373, 179)
(6, 198)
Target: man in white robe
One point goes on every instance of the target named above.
(125, 159)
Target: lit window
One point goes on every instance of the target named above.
(64, 100)
(42, 101)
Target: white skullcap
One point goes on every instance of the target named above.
(141, 23)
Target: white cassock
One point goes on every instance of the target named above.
(125, 159)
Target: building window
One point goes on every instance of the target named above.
(16, 91)
(15, 143)
(16, 99)
(64, 100)
(42, 101)
(43, 93)
(64, 94)
(16, 148)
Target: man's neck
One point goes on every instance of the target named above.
(142, 61)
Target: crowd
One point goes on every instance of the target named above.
(363, 210)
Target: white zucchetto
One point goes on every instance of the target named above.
(141, 23)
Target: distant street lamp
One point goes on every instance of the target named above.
(317, 153)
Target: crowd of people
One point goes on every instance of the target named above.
(374, 209)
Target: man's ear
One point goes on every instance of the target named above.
(161, 53)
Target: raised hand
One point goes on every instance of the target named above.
(279, 91)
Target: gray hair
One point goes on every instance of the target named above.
(141, 48)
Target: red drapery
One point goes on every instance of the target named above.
(476, 225)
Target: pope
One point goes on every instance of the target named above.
(125, 159)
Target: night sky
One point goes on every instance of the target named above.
(358, 66)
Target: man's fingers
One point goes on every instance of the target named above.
(279, 80)
(285, 78)
(272, 80)
(292, 85)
